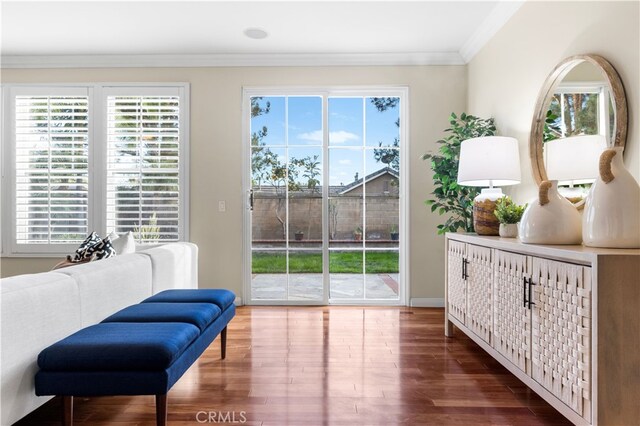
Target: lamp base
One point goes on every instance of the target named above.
(485, 221)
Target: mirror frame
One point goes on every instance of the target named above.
(544, 98)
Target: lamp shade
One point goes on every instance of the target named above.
(489, 161)
(574, 160)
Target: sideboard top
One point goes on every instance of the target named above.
(577, 253)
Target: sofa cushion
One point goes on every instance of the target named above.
(222, 298)
(198, 314)
(119, 347)
(173, 266)
(110, 285)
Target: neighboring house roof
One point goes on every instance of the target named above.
(353, 185)
(333, 189)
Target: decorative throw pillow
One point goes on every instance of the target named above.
(103, 250)
(123, 243)
(83, 252)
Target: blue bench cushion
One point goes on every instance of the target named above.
(198, 314)
(220, 297)
(119, 346)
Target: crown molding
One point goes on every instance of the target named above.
(231, 60)
(498, 17)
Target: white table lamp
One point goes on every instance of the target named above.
(489, 161)
(574, 161)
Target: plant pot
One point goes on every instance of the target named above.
(299, 236)
(508, 230)
(611, 217)
(394, 236)
(357, 237)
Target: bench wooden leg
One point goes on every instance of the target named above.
(223, 343)
(161, 409)
(67, 410)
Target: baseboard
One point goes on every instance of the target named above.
(425, 302)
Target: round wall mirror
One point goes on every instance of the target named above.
(581, 110)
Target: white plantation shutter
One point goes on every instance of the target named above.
(143, 165)
(51, 167)
(93, 157)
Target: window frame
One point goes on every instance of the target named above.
(98, 145)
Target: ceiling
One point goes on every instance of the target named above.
(302, 31)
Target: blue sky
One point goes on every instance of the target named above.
(355, 127)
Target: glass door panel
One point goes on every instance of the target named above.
(325, 193)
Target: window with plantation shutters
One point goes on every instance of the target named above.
(51, 168)
(93, 157)
(143, 166)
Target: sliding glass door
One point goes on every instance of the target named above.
(324, 219)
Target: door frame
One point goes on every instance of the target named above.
(325, 92)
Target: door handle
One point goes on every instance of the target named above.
(251, 199)
(531, 284)
(464, 269)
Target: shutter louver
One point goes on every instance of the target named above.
(143, 180)
(51, 166)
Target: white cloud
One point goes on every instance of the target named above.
(344, 162)
(315, 136)
(342, 136)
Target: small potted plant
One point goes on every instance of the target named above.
(509, 214)
(393, 233)
(357, 234)
(299, 235)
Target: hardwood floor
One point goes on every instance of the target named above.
(331, 366)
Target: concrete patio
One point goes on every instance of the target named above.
(308, 287)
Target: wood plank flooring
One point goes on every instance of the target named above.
(331, 366)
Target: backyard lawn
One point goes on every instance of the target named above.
(339, 262)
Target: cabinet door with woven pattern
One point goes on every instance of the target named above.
(561, 325)
(479, 291)
(456, 284)
(511, 317)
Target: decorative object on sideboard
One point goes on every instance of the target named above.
(583, 95)
(573, 176)
(508, 214)
(611, 215)
(449, 197)
(488, 161)
(552, 219)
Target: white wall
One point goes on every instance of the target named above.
(216, 149)
(507, 74)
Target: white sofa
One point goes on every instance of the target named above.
(37, 310)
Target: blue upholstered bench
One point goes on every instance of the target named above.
(141, 350)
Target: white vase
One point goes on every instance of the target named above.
(508, 230)
(611, 215)
(551, 219)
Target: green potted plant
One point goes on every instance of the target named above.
(299, 235)
(509, 214)
(393, 232)
(357, 234)
(448, 197)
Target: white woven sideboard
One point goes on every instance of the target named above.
(564, 319)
